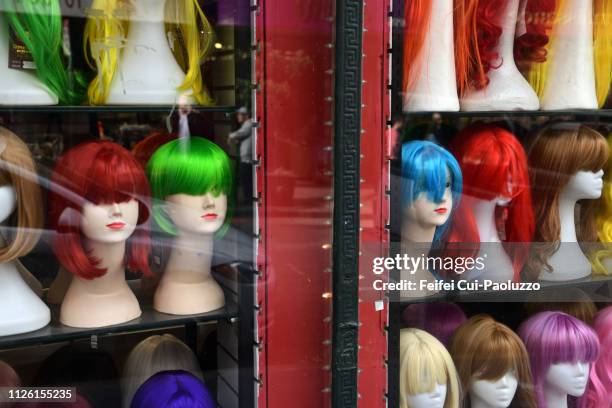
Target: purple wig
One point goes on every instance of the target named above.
(554, 338)
(438, 319)
(599, 391)
(173, 389)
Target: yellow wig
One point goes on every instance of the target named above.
(108, 26)
(603, 220)
(424, 363)
(602, 47)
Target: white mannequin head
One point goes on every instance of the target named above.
(432, 399)
(584, 185)
(568, 378)
(8, 202)
(494, 393)
(201, 214)
(429, 213)
(109, 223)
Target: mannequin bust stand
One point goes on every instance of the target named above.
(570, 80)
(18, 87)
(507, 90)
(147, 72)
(435, 88)
(104, 301)
(187, 285)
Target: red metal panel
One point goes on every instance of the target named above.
(375, 203)
(295, 112)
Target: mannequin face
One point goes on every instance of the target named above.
(203, 214)
(433, 399)
(585, 185)
(494, 394)
(426, 212)
(8, 202)
(569, 378)
(109, 223)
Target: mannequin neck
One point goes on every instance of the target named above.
(484, 216)
(567, 207)
(414, 232)
(555, 398)
(112, 258)
(191, 258)
(476, 402)
(147, 11)
(505, 47)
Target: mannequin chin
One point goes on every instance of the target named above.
(434, 399)
(568, 378)
(493, 394)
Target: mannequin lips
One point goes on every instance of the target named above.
(441, 210)
(117, 225)
(210, 217)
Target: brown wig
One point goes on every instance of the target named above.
(17, 169)
(484, 349)
(557, 153)
(572, 301)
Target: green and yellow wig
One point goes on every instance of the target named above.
(193, 166)
(603, 220)
(107, 29)
(39, 25)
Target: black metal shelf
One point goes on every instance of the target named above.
(110, 109)
(591, 113)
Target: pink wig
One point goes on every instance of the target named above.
(438, 319)
(554, 338)
(494, 164)
(599, 391)
(99, 173)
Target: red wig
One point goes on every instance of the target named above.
(97, 172)
(494, 164)
(416, 26)
(144, 149)
(477, 33)
(531, 46)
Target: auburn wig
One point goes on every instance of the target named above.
(603, 220)
(97, 172)
(107, 31)
(416, 26)
(144, 149)
(555, 338)
(494, 164)
(533, 47)
(573, 301)
(17, 169)
(599, 391)
(439, 319)
(558, 152)
(484, 349)
(425, 363)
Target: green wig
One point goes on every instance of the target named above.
(39, 25)
(193, 166)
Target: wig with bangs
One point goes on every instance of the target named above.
(534, 46)
(556, 338)
(194, 166)
(439, 319)
(173, 389)
(97, 172)
(17, 169)
(558, 152)
(107, 29)
(426, 168)
(603, 219)
(425, 363)
(484, 349)
(494, 164)
(599, 391)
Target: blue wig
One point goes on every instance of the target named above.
(425, 169)
(173, 389)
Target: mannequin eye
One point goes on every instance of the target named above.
(448, 184)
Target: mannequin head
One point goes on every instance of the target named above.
(153, 355)
(439, 319)
(494, 167)
(492, 363)
(20, 197)
(431, 179)
(427, 372)
(39, 26)
(192, 183)
(173, 389)
(99, 193)
(534, 46)
(561, 350)
(599, 391)
(107, 30)
(557, 155)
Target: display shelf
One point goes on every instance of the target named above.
(111, 109)
(588, 113)
(150, 319)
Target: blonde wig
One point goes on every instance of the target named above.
(558, 152)
(484, 349)
(424, 363)
(107, 29)
(17, 169)
(153, 355)
(543, 16)
(603, 220)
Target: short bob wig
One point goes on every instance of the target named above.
(97, 172)
(173, 389)
(17, 169)
(194, 166)
(484, 349)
